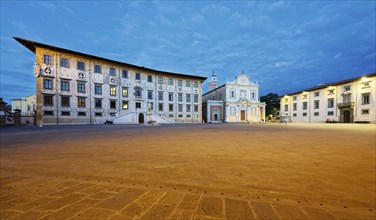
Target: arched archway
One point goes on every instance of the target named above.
(216, 115)
(141, 118)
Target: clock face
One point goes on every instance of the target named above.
(81, 75)
(112, 80)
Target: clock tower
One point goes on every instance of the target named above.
(213, 84)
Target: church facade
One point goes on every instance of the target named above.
(77, 88)
(235, 101)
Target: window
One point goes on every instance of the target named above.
(316, 104)
(286, 108)
(48, 113)
(305, 96)
(180, 108)
(195, 98)
(180, 97)
(170, 82)
(112, 72)
(253, 95)
(47, 84)
(294, 115)
(125, 92)
(232, 94)
(304, 105)
(81, 114)
(98, 114)
(138, 76)
(47, 59)
(171, 107)
(187, 83)
(195, 84)
(113, 104)
(64, 86)
(150, 78)
(97, 89)
(64, 63)
(81, 102)
(365, 111)
(316, 114)
(188, 108)
(347, 88)
(160, 107)
(137, 92)
(188, 97)
(160, 96)
(188, 116)
(180, 116)
(170, 96)
(124, 74)
(48, 100)
(160, 80)
(151, 105)
(195, 108)
(295, 98)
(316, 94)
(150, 94)
(330, 113)
(304, 114)
(294, 106)
(330, 91)
(180, 82)
(171, 115)
(125, 105)
(98, 103)
(65, 101)
(112, 90)
(365, 99)
(81, 87)
(138, 104)
(80, 65)
(65, 113)
(97, 69)
(330, 103)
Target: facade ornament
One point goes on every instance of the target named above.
(36, 70)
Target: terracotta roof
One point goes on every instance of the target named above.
(320, 86)
(32, 45)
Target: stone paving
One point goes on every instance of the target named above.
(259, 171)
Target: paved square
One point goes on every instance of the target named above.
(192, 171)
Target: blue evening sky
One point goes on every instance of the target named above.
(285, 46)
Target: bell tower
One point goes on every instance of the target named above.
(213, 84)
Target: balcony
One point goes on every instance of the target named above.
(345, 105)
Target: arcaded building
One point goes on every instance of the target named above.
(235, 101)
(347, 101)
(78, 88)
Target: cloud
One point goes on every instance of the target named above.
(216, 9)
(283, 64)
(338, 55)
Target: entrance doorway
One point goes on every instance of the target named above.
(242, 115)
(346, 116)
(215, 115)
(141, 119)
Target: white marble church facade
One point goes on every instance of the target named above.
(235, 101)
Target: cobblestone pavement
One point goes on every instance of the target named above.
(188, 172)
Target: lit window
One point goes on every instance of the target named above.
(125, 105)
(81, 102)
(125, 92)
(112, 90)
